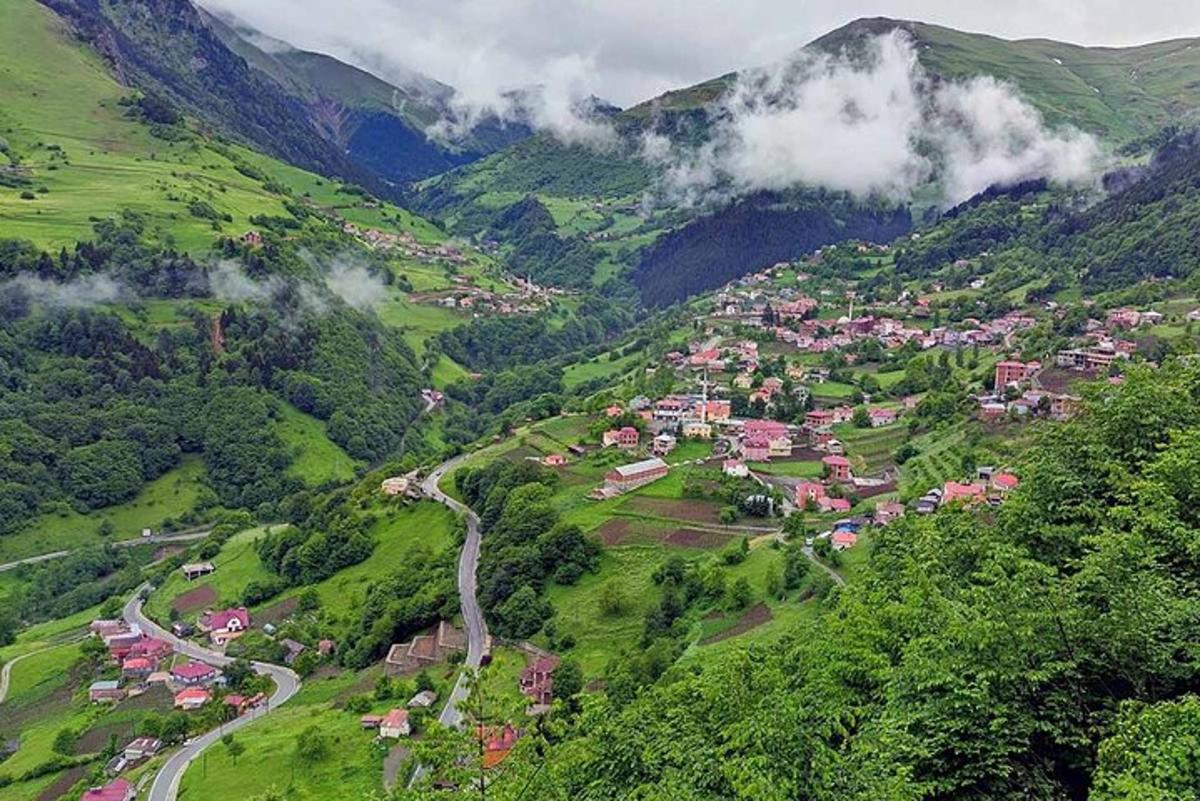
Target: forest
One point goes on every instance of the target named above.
(752, 234)
(94, 404)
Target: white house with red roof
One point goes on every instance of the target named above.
(194, 673)
(225, 625)
(395, 724)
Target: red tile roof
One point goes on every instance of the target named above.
(193, 670)
(116, 790)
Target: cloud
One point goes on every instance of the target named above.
(873, 125)
(355, 285)
(559, 103)
(89, 290)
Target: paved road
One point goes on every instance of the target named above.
(468, 563)
(166, 782)
(180, 536)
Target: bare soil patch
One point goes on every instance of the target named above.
(691, 538)
(613, 532)
(94, 739)
(691, 511)
(871, 492)
(753, 617)
(59, 787)
(195, 600)
(276, 612)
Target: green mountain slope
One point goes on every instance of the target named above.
(1118, 93)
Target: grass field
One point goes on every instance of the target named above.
(317, 460)
(418, 321)
(788, 468)
(425, 524)
(168, 496)
(352, 767)
(236, 566)
(599, 367)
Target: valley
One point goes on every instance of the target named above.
(340, 460)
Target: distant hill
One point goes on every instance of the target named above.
(1123, 95)
(308, 109)
(1119, 93)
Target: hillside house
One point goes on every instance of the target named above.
(192, 698)
(226, 625)
(888, 512)
(137, 667)
(837, 467)
(1013, 372)
(194, 570)
(843, 539)
(881, 416)
(756, 449)
(554, 460)
(631, 476)
(424, 650)
(142, 748)
(808, 491)
(1004, 483)
(956, 492)
(193, 674)
(422, 700)
(625, 438)
(818, 418)
(693, 428)
(537, 679)
(395, 724)
(735, 468)
(292, 650)
(105, 692)
(497, 743)
(663, 444)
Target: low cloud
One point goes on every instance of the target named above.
(874, 125)
(82, 292)
(355, 285)
(559, 104)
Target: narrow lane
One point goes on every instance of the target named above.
(166, 782)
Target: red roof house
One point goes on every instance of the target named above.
(968, 493)
(809, 491)
(1005, 482)
(843, 538)
(192, 698)
(537, 679)
(838, 467)
(233, 619)
(193, 673)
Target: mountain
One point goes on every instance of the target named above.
(1119, 93)
(1125, 96)
(311, 110)
(380, 125)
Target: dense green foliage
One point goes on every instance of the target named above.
(752, 234)
(524, 544)
(93, 404)
(1042, 650)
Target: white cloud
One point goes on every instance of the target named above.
(871, 125)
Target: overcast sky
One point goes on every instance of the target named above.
(630, 50)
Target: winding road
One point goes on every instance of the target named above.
(468, 563)
(178, 536)
(165, 786)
